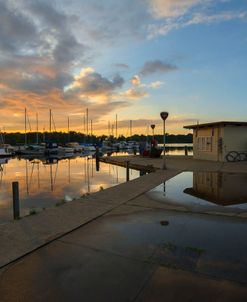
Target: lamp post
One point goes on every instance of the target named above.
(152, 126)
(164, 116)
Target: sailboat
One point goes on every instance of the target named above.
(5, 149)
(31, 149)
(52, 148)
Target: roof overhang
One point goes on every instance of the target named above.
(216, 124)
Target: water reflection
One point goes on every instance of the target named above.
(44, 182)
(220, 188)
(204, 191)
(171, 149)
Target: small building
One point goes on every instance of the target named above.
(220, 141)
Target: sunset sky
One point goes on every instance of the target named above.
(133, 58)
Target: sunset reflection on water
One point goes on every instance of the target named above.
(44, 183)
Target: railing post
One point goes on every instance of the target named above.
(127, 170)
(16, 201)
(97, 158)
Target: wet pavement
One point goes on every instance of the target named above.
(122, 245)
(136, 254)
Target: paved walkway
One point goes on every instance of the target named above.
(114, 246)
(185, 163)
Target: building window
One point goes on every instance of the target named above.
(204, 143)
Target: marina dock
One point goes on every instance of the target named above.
(119, 233)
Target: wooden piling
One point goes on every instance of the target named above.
(186, 151)
(127, 170)
(97, 158)
(16, 201)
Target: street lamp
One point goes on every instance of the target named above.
(164, 116)
(152, 126)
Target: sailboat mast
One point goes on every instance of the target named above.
(109, 128)
(116, 125)
(84, 123)
(37, 129)
(68, 131)
(50, 121)
(25, 126)
(130, 127)
(87, 120)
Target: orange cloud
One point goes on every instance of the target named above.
(134, 94)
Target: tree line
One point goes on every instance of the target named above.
(18, 138)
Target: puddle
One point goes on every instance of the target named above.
(207, 244)
(204, 191)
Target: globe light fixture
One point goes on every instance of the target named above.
(152, 126)
(164, 116)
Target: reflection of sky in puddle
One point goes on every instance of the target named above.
(43, 185)
(209, 191)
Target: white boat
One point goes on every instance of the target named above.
(120, 145)
(6, 150)
(31, 150)
(132, 145)
(65, 150)
(75, 146)
(88, 148)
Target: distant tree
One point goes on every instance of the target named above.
(17, 138)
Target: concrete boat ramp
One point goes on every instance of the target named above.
(118, 245)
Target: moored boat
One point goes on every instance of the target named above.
(31, 150)
(75, 146)
(51, 148)
(6, 150)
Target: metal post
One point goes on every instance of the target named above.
(164, 116)
(127, 170)
(16, 201)
(164, 146)
(97, 158)
(153, 126)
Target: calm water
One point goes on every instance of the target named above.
(42, 184)
(171, 149)
(204, 191)
(178, 149)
